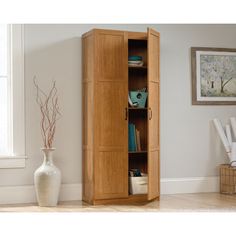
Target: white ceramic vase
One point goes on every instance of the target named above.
(47, 180)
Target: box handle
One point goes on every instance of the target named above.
(142, 183)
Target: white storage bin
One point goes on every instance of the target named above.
(138, 185)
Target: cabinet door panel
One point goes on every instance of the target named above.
(111, 114)
(111, 125)
(154, 108)
(153, 116)
(111, 176)
(153, 174)
(111, 56)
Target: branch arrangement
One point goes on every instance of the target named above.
(48, 105)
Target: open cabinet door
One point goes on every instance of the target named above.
(153, 114)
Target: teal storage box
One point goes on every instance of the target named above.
(139, 97)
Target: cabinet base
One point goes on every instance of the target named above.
(132, 199)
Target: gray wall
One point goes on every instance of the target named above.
(189, 145)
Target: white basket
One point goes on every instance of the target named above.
(138, 185)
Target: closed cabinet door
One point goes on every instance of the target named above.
(111, 128)
(153, 116)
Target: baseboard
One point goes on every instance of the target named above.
(26, 194)
(189, 185)
(70, 192)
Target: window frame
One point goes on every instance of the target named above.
(17, 156)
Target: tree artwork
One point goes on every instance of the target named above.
(218, 75)
(48, 105)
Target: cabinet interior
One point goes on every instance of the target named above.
(138, 47)
(138, 116)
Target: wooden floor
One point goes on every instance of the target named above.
(168, 203)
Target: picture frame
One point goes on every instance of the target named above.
(213, 76)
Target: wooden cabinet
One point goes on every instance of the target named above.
(107, 80)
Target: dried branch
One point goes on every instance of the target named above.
(48, 105)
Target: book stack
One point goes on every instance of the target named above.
(134, 139)
(135, 61)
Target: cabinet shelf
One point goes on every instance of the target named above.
(137, 108)
(137, 152)
(137, 67)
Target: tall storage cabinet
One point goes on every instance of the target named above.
(107, 80)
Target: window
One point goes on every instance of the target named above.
(12, 123)
(4, 78)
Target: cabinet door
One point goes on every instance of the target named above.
(111, 140)
(153, 117)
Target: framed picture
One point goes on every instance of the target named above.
(213, 76)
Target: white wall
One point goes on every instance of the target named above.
(189, 145)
